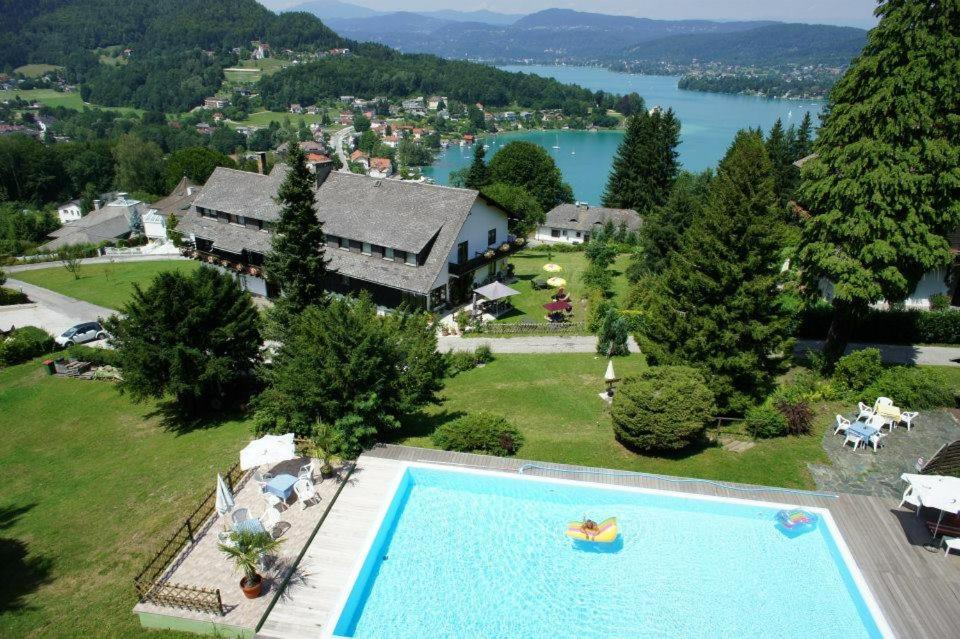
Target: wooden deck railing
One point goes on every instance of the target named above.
(150, 583)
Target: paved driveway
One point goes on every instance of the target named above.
(50, 311)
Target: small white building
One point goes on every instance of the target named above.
(573, 223)
(69, 211)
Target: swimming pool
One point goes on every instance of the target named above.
(463, 553)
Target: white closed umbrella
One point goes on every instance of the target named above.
(269, 449)
(610, 376)
(224, 496)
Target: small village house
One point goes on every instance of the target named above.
(574, 223)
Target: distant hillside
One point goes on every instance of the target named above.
(328, 10)
(773, 45)
(179, 48)
(554, 34)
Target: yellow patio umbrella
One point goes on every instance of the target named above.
(557, 282)
(552, 268)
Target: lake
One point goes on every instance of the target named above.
(708, 123)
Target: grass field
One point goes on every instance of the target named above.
(107, 285)
(36, 70)
(264, 118)
(553, 399)
(91, 484)
(528, 265)
(53, 98)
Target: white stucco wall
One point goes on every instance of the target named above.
(68, 213)
(155, 230)
(480, 220)
(567, 236)
(929, 285)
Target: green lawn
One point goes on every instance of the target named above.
(264, 118)
(553, 399)
(91, 485)
(107, 285)
(36, 70)
(57, 98)
(528, 265)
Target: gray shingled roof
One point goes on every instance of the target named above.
(103, 228)
(242, 192)
(392, 213)
(178, 202)
(585, 218)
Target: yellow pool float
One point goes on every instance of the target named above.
(605, 532)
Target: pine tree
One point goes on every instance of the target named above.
(803, 141)
(646, 164)
(613, 334)
(478, 176)
(715, 306)
(296, 261)
(885, 188)
(781, 157)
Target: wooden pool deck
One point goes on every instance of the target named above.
(915, 586)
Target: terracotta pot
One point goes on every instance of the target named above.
(251, 591)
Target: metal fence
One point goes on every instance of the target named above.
(533, 328)
(150, 584)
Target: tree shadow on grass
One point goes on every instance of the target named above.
(179, 419)
(20, 572)
(422, 424)
(691, 450)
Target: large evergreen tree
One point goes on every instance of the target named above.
(664, 227)
(715, 306)
(296, 261)
(478, 176)
(646, 164)
(529, 166)
(781, 157)
(344, 365)
(191, 337)
(885, 188)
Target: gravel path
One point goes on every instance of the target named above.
(104, 259)
(541, 344)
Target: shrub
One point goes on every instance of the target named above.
(859, 369)
(797, 414)
(912, 388)
(462, 318)
(765, 421)
(8, 297)
(597, 308)
(96, 356)
(662, 408)
(24, 344)
(939, 302)
(612, 335)
(459, 362)
(479, 433)
(482, 355)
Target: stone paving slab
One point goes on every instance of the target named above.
(863, 472)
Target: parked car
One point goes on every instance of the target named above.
(86, 332)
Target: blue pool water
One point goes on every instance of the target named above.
(476, 555)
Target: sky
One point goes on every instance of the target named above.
(858, 13)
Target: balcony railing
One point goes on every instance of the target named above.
(482, 258)
(219, 260)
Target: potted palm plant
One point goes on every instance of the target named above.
(324, 441)
(246, 549)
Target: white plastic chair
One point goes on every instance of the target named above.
(951, 543)
(907, 418)
(882, 401)
(911, 496)
(305, 492)
(877, 440)
(306, 471)
(878, 422)
(270, 519)
(856, 440)
(272, 500)
(865, 411)
(842, 424)
(240, 514)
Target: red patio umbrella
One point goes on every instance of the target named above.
(558, 306)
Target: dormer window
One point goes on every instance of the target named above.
(344, 244)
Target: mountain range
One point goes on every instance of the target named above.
(571, 36)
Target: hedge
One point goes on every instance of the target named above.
(482, 433)
(24, 344)
(888, 327)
